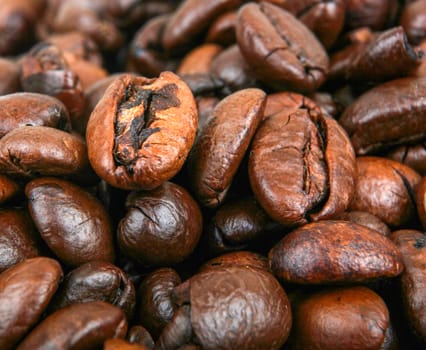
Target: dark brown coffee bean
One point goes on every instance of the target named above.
(331, 251)
(32, 109)
(365, 219)
(385, 188)
(10, 74)
(231, 67)
(364, 62)
(31, 151)
(370, 13)
(71, 221)
(96, 281)
(141, 131)
(282, 52)
(18, 238)
(8, 188)
(44, 70)
(146, 54)
(421, 201)
(161, 227)
(25, 292)
(413, 19)
(191, 19)
(78, 326)
(238, 223)
(206, 84)
(324, 18)
(342, 318)
(222, 30)
(229, 306)
(412, 245)
(89, 18)
(413, 156)
(278, 101)
(139, 335)
(222, 144)
(199, 59)
(389, 114)
(301, 167)
(156, 306)
(17, 22)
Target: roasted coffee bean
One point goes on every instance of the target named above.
(390, 114)
(227, 308)
(301, 166)
(370, 13)
(282, 52)
(365, 219)
(238, 223)
(141, 131)
(10, 74)
(412, 245)
(90, 19)
(199, 59)
(331, 251)
(71, 221)
(412, 155)
(139, 335)
(88, 73)
(8, 188)
(32, 109)
(231, 67)
(413, 19)
(96, 281)
(278, 101)
(191, 19)
(342, 318)
(78, 326)
(324, 18)
(421, 201)
(222, 143)
(206, 84)
(222, 30)
(385, 188)
(364, 62)
(31, 151)
(156, 306)
(161, 227)
(25, 291)
(44, 70)
(18, 238)
(146, 55)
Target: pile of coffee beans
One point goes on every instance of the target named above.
(203, 174)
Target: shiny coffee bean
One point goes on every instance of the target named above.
(141, 131)
(301, 167)
(365, 219)
(227, 308)
(222, 30)
(278, 101)
(413, 156)
(31, 151)
(331, 251)
(282, 52)
(385, 188)
(390, 114)
(412, 245)
(221, 144)
(18, 238)
(44, 70)
(96, 281)
(25, 291)
(139, 335)
(32, 109)
(156, 306)
(78, 326)
(71, 221)
(339, 319)
(199, 59)
(413, 20)
(161, 227)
